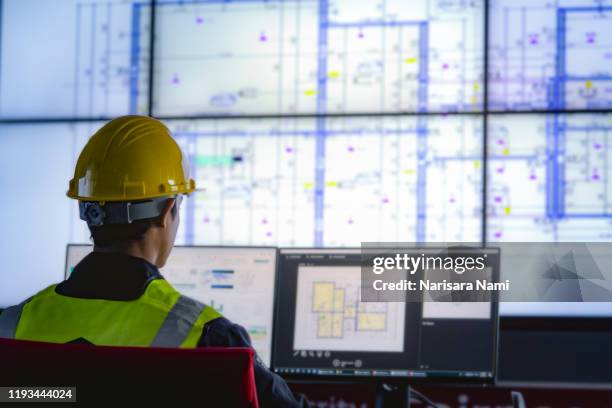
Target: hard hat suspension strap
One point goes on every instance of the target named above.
(120, 212)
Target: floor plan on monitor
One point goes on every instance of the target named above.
(330, 316)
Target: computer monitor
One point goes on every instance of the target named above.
(328, 331)
(237, 281)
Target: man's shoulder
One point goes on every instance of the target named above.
(222, 332)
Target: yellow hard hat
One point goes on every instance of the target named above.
(130, 158)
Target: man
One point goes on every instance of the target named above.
(130, 179)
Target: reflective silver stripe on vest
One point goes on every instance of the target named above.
(9, 320)
(179, 322)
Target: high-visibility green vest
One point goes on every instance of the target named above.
(161, 317)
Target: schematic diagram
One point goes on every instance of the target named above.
(550, 54)
(330, 315)
(385, 179)
(333, 307)
(255, 180)
(96, 64)
(307, 56)
(549, 178)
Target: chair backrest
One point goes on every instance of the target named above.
(182, 377)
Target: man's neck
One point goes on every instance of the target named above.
(137, 249)
(109, 275)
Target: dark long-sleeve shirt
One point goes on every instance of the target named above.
(115, 276)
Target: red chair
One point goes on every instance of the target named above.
(113, 375)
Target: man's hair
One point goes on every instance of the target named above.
(112, 234)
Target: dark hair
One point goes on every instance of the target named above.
(112, 234)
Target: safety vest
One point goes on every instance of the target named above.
(161, 317)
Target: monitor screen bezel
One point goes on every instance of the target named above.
(382, 379)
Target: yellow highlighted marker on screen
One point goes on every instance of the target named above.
(308, 185)
(506, 151)
(588, 84)
(507, 210)
(333, 74)
(331, 184)
(476, 164)
(310, 92)
(411, 60)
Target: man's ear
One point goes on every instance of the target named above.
(165, 217)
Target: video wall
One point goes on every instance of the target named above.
(320, 122)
